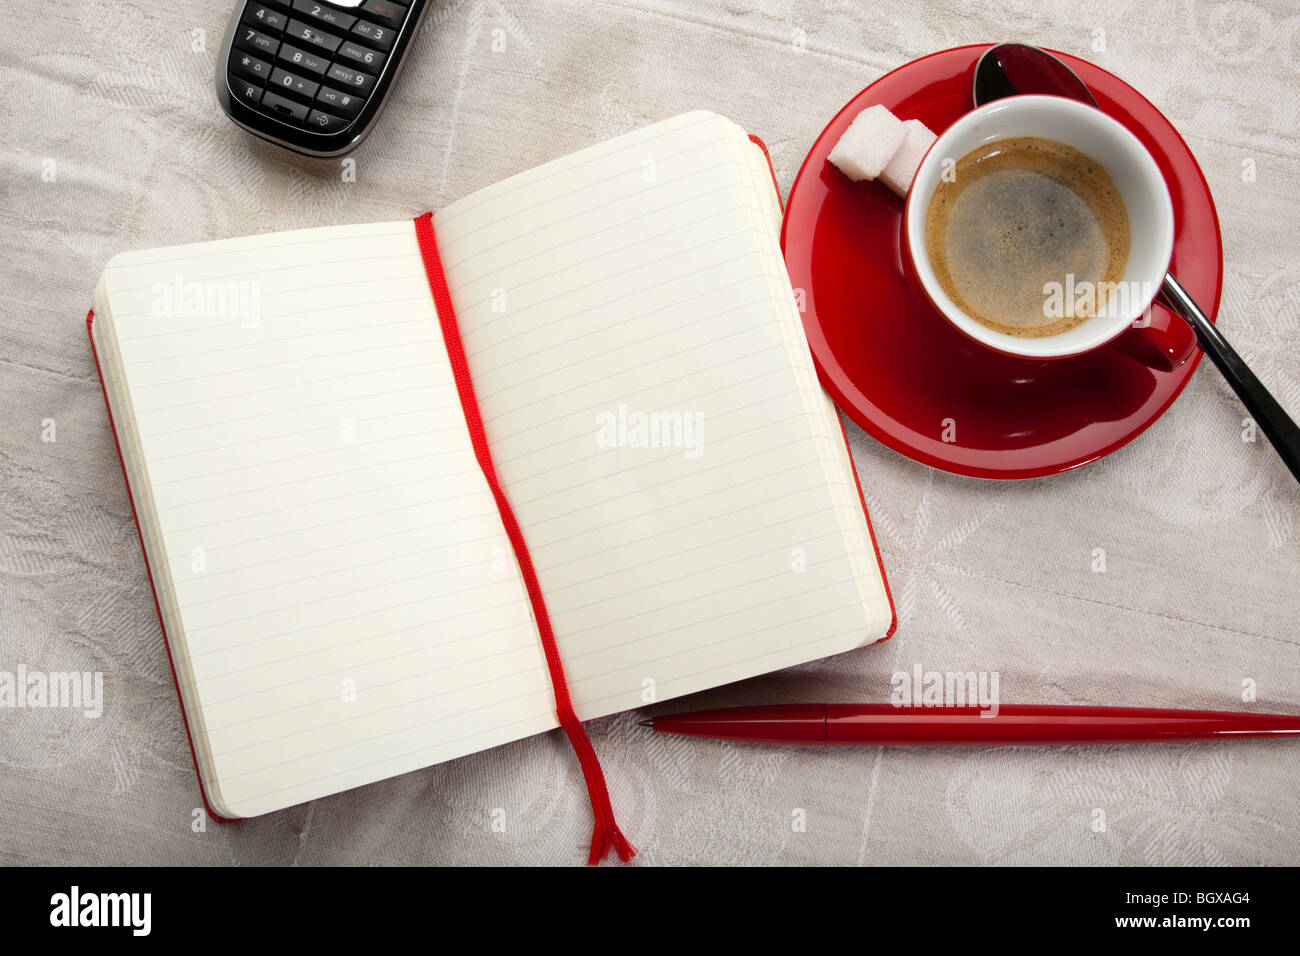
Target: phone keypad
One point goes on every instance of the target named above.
(375, 35)
(361, 57)
(325, 15)
(255, 41)
(296, 58)
(250, 67)
(310, 63)
(336, 101)
(263, 17)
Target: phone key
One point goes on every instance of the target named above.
(245, 91)
(375, 35)
(304, 59)
(264, 17)
(287, 82)
(354, 80)
(385, 11)
(256, 42)
(362, 56)
(323, 122)
(309, 34)
(278, 4)
(323, 13)
(345, 104)
(250, 66)
(277, 105)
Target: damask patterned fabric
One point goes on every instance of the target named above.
(113, 140)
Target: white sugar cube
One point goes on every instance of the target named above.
(868, 144)
(901, 168)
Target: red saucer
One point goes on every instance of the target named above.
(899, 370)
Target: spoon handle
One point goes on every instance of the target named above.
(1259, 402)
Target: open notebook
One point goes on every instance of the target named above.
(340, 599)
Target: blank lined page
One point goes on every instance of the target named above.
(341, 600)
(652, 410)
(343, 603)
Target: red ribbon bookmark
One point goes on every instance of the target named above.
(606, 832)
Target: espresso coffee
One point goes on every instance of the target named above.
(1028, 236)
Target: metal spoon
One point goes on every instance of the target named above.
(1010, 68)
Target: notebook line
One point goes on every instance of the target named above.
(420, 625)
(266, 319)
(464, 283)
(222, 373)
(603, 404)
(343, 620)
(693, 321)
(560, 168)
(530, 645)
(275, 242)
(281, 388)
(621, 225)
(244, 592)
(295, 531)
(458, 715)
(730, 561)
(607, 304)
(430, 386)
(558, 346)
(309, 504)
(624, 644)
(606, 405)
(666, 455)
(440, 646)
(386, 584)
(731, 539)
(535, 546)
(496, 678)
(424, 575)
(314, 264)
(668, 481)
(421, 750)
(587, 186)
(540, 715)
(314, 333)
(746, 635)
(654, 461)
(299, 481)
(585, 679)
(340, 447)
(763, 503)
(601, 357)
(332, 426)
(732, 664)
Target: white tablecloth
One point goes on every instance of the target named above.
(112, 140)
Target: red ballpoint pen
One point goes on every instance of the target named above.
(823, 724)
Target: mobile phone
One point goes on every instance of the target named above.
(313, 75)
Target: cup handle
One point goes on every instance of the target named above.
(1163, 341)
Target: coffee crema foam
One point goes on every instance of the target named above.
(1018, 216)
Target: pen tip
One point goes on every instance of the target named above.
(646, 723)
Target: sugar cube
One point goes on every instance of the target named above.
(901, 168)
(868, 144)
